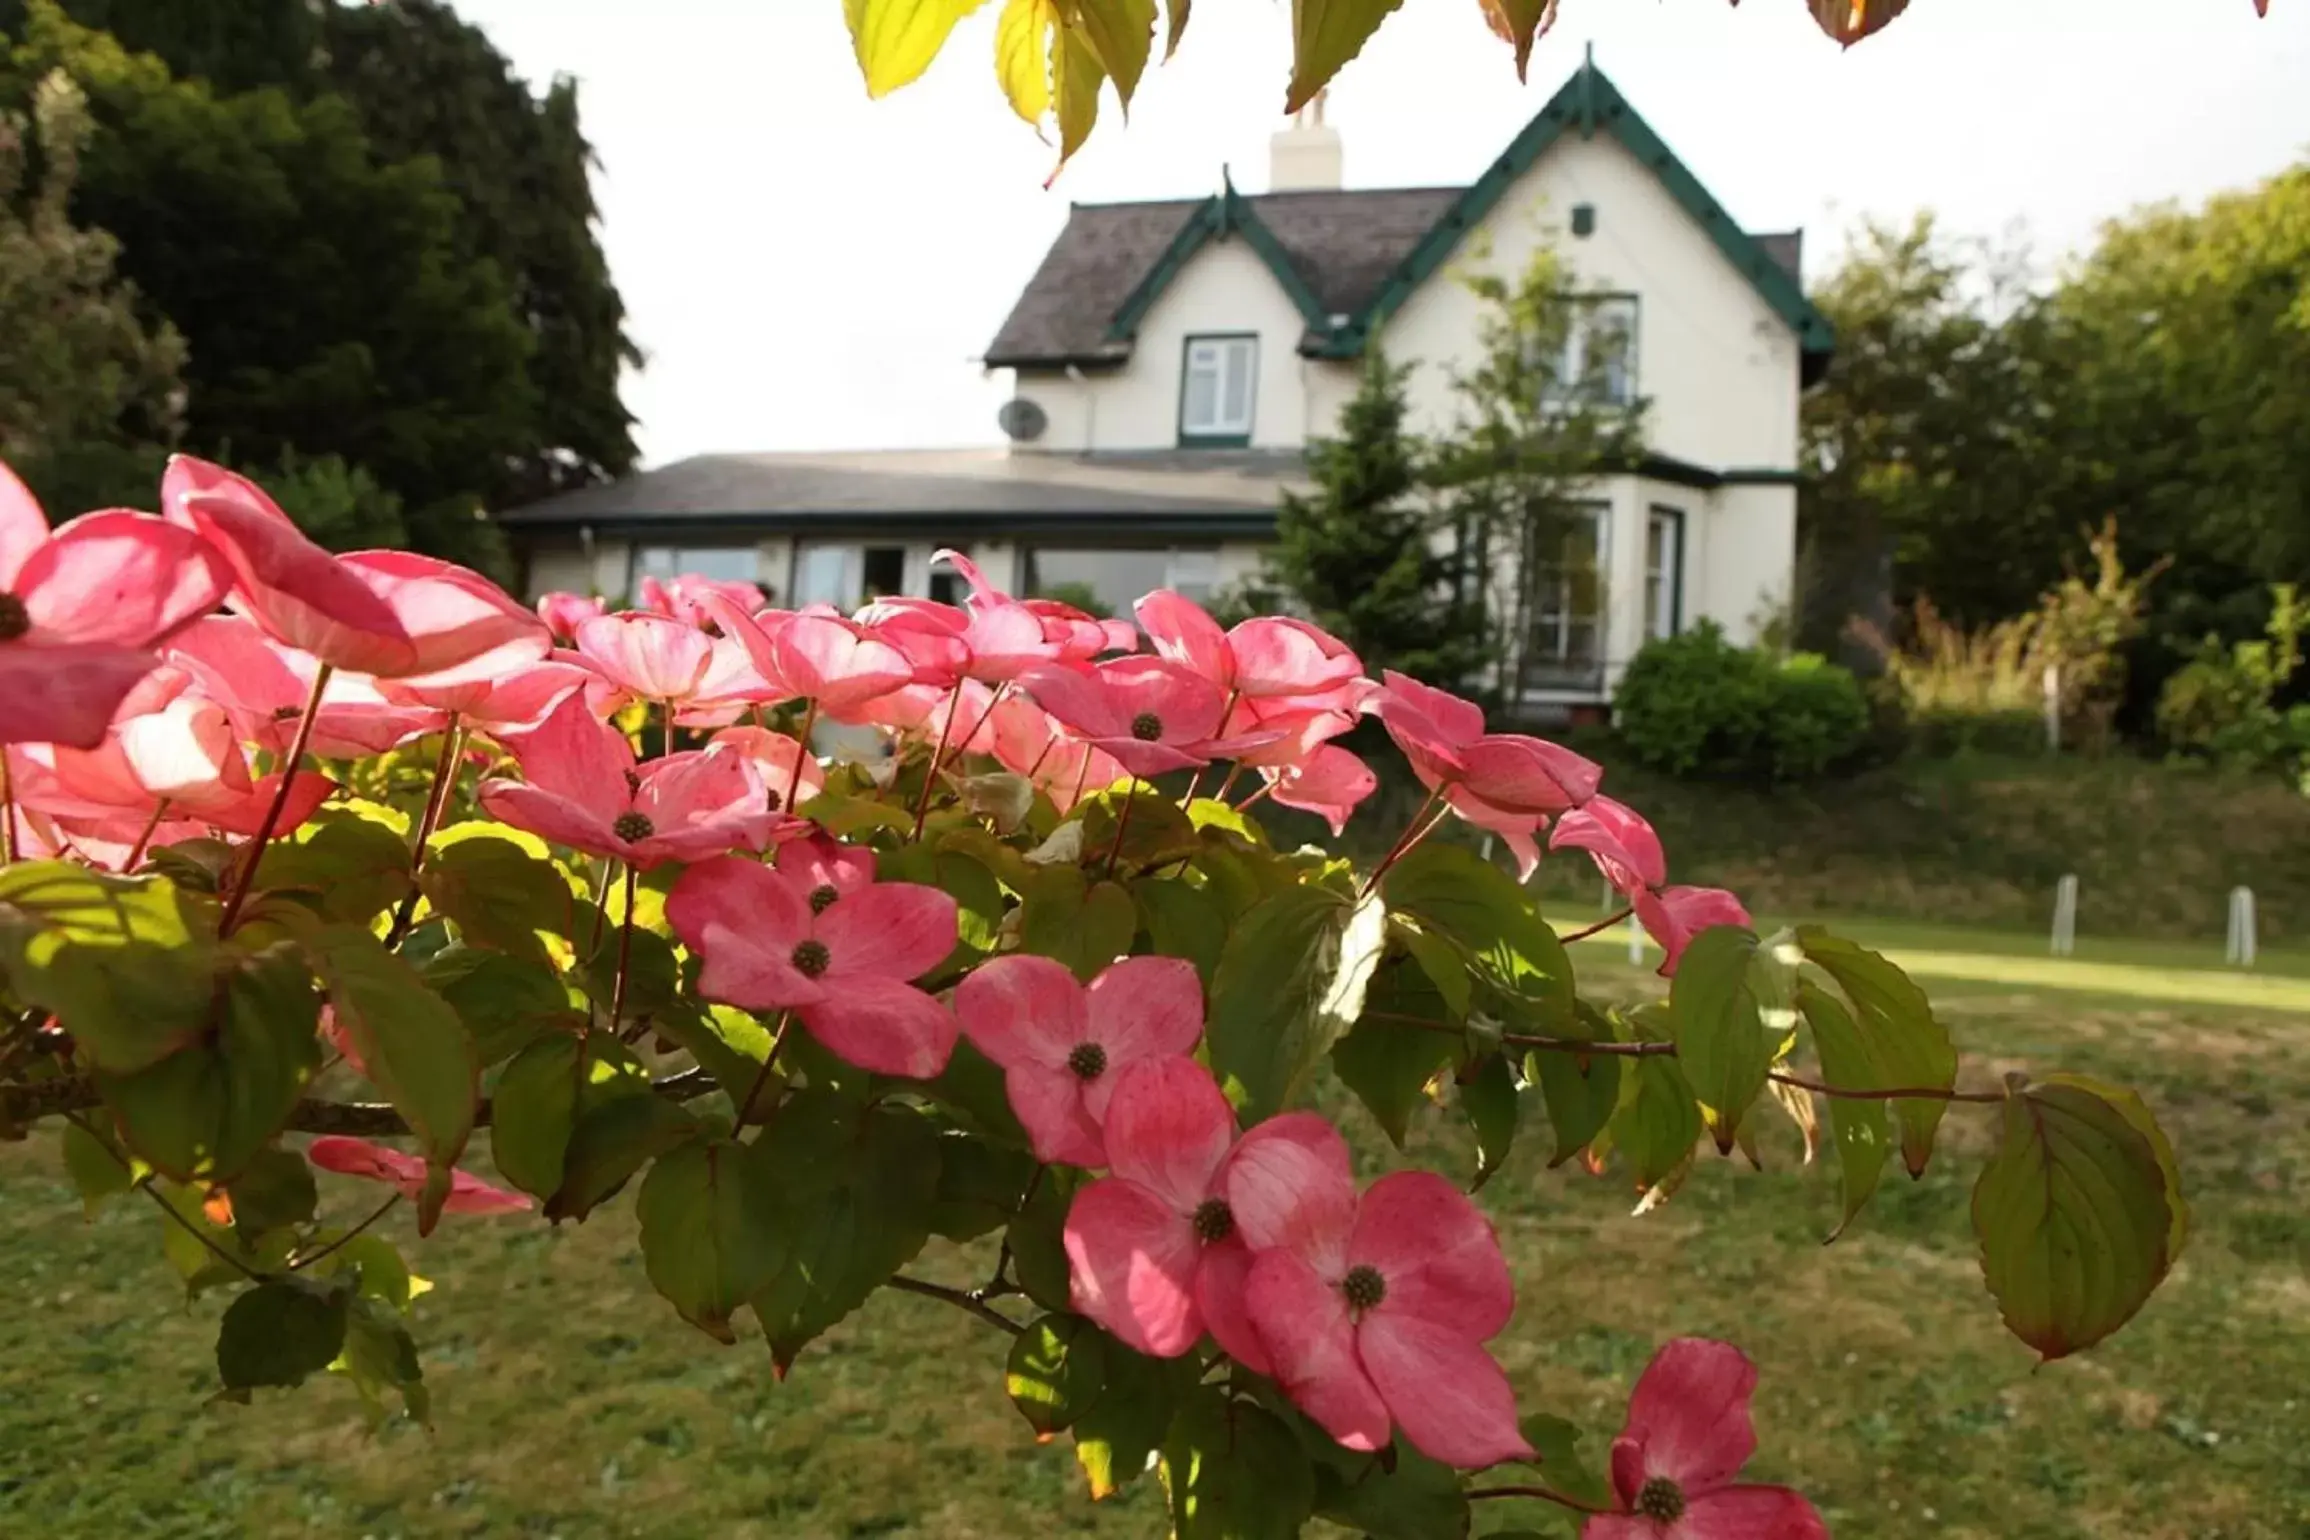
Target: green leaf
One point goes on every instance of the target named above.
(1390, 1063)
(1419, 1499)
(1076, 75)
(281, 1332)
(609, 1143)
(1658, 1118)
(1521, 968)
(1182, 920)
(354, 867)
(208, 1110)
(1581, 1091)
(1902, 1044)
(506, 1002)
(1488, 1099)
(1291, 981)
(376, 1266)
(1441, 961)
(979, 1186)
(124, 964)
(1858, 1126)
(273, 1190)
(1325, 34)
(895, 40)
(1124, 1427)
(1562, 1469)
(1121, 33)
(978, 896)
(842, 815)
(545, 1090)
(1057, 1368)
(411, 1043)
(1720, 1034)
(972, 1088)
(203, 1266)
(1175, 13)
(1083, 924)
(380, 1356)
(2076, 1213)
(857, 1189)
(1038, 1246)
(728, 1043)
(99, 1168)
(1235, 1472)
(653, 973)
(500, 896)
(710, 1230)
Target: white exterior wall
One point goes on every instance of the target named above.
(1749, 566)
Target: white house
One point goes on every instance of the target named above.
(1172, 358)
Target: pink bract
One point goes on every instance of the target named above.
(1151, 715)
(1375, 1312)
(651, 657)
(1508, 783)
(780, 760)
(582, 789)
(1688, 1434)
(819, 657)
(1260, 658)
(843, 961)
(375, 1163)
(1628, 853)
(1157, 1251)
(264, 685)
(1330, 782)
(1063, 1047)
(563, 613)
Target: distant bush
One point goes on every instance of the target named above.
(1695, 705)
(2222, 705)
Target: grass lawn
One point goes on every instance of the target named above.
(571, 1402)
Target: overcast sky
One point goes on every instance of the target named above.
(807, 269)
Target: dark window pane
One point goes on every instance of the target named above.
(884, 571)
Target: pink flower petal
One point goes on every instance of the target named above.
(579, 758)
(680, 791)
(370, 1162)
(551, 817)
(464, 627)
(469, 1194)
(66, 695)
(1620, 1526)
(563, 613)
(1185, 706)
(1625, 848)
(737, 969)
(1750, 1513)
(1144, 1006)
(1673, 916)
(186, 749)
(1518, 774)
(1075, 696)
(1220, 1280)
(1439, 721)
(23, 527)
(1303, 1323)
(1276, 655)
(127, 579)
(1688, 1419)
(1168, 1127)
(831, 662)
(1022, 1010)
(781, 761)
(1436, 1251)
(1182, 631)
(819, 862)
(1051, 1107)
(1132, 1262)
(656, 658)
(1447, 1395)
(1291, 1185)
(743, 897)
(892, 930)
(881, 1025)
(1330, 783)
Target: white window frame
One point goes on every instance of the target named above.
(1664, 579)
(1573, 363)
(1221, 359)
(1555, 659)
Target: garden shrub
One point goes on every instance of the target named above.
(1695, 705)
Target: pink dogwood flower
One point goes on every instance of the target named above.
(265, 684)
(781, 762)
(1259, 658)
(82, 608)
(1688, 1434)
(1063, 1047)
(581, 788)
(679, 597)
(468, 1194)
(1329, 783)
(1508, 783)
(1151, 714)
(1627, 851)
(1375, 1311)
(563, 613)
(1159, 1250)
(1026, 741)
(840, 953)
(649, 657)
(823, 658)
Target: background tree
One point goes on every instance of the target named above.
(86, 386)
(1538, 420)
(1359, 553)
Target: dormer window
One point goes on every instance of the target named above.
(1598, 361)
(1216, 387)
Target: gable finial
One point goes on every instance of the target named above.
(1587, 94)
(1588, 55)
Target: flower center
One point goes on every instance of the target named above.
(633, 826)
(772, 800)
(1661, 1499)
(1364, 1287)
(15, 619)
(822, 897)
(633, 783)
(811, 958)
(1087, 1060)
(1147, 727)
(1214, 1221)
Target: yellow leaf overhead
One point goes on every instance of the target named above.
(895, 40)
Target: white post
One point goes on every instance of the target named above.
(2065, 916)
(1611, 899)
(2239, 949)
(2053, 708)
(1635, 941)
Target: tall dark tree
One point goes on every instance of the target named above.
(232, 44)
(1358, 552)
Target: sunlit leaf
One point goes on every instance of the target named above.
(1519, 966)
(1720, 1033)
(1121, 33)
(1056, 1370)
(1325, 34)
(896, 40)
(1290, 982)
(1235, 1472)
(1076, 75)
(1520, 22)
(126, 964)
(1900, 1044)
(1849, 21)
(539, 1098)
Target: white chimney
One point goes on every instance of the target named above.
(1306, 156)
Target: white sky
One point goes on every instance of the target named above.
(809, 270)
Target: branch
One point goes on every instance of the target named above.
(1478, 1494)
(69, 1094)
(955, 1297)
(1905, 1093)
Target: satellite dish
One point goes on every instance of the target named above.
(1022, 420)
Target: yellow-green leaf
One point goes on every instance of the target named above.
(1904, 1045)
(1175, 15)
(1325, 34)
(2077, 1214)
(895, 40)
(1121, 33)
(1076, 75)
(1849, 21)
(1023, 56)
(1057, 1369)
(1857, 1125)
(1520, 22)
(1720, 1034)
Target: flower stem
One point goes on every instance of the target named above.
(1477, 1494)
(288, 774)
(168, 1208)
(341, 1241)
(625, 951)
(1604, 924)
(669, 742)
(444, 782)
(802, 751)
(601, 905)
(1413, 833)
(955, 1297)
(7, 811)
(1122, 823)
(143, 840)
(930, 773)
(769, 1059)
